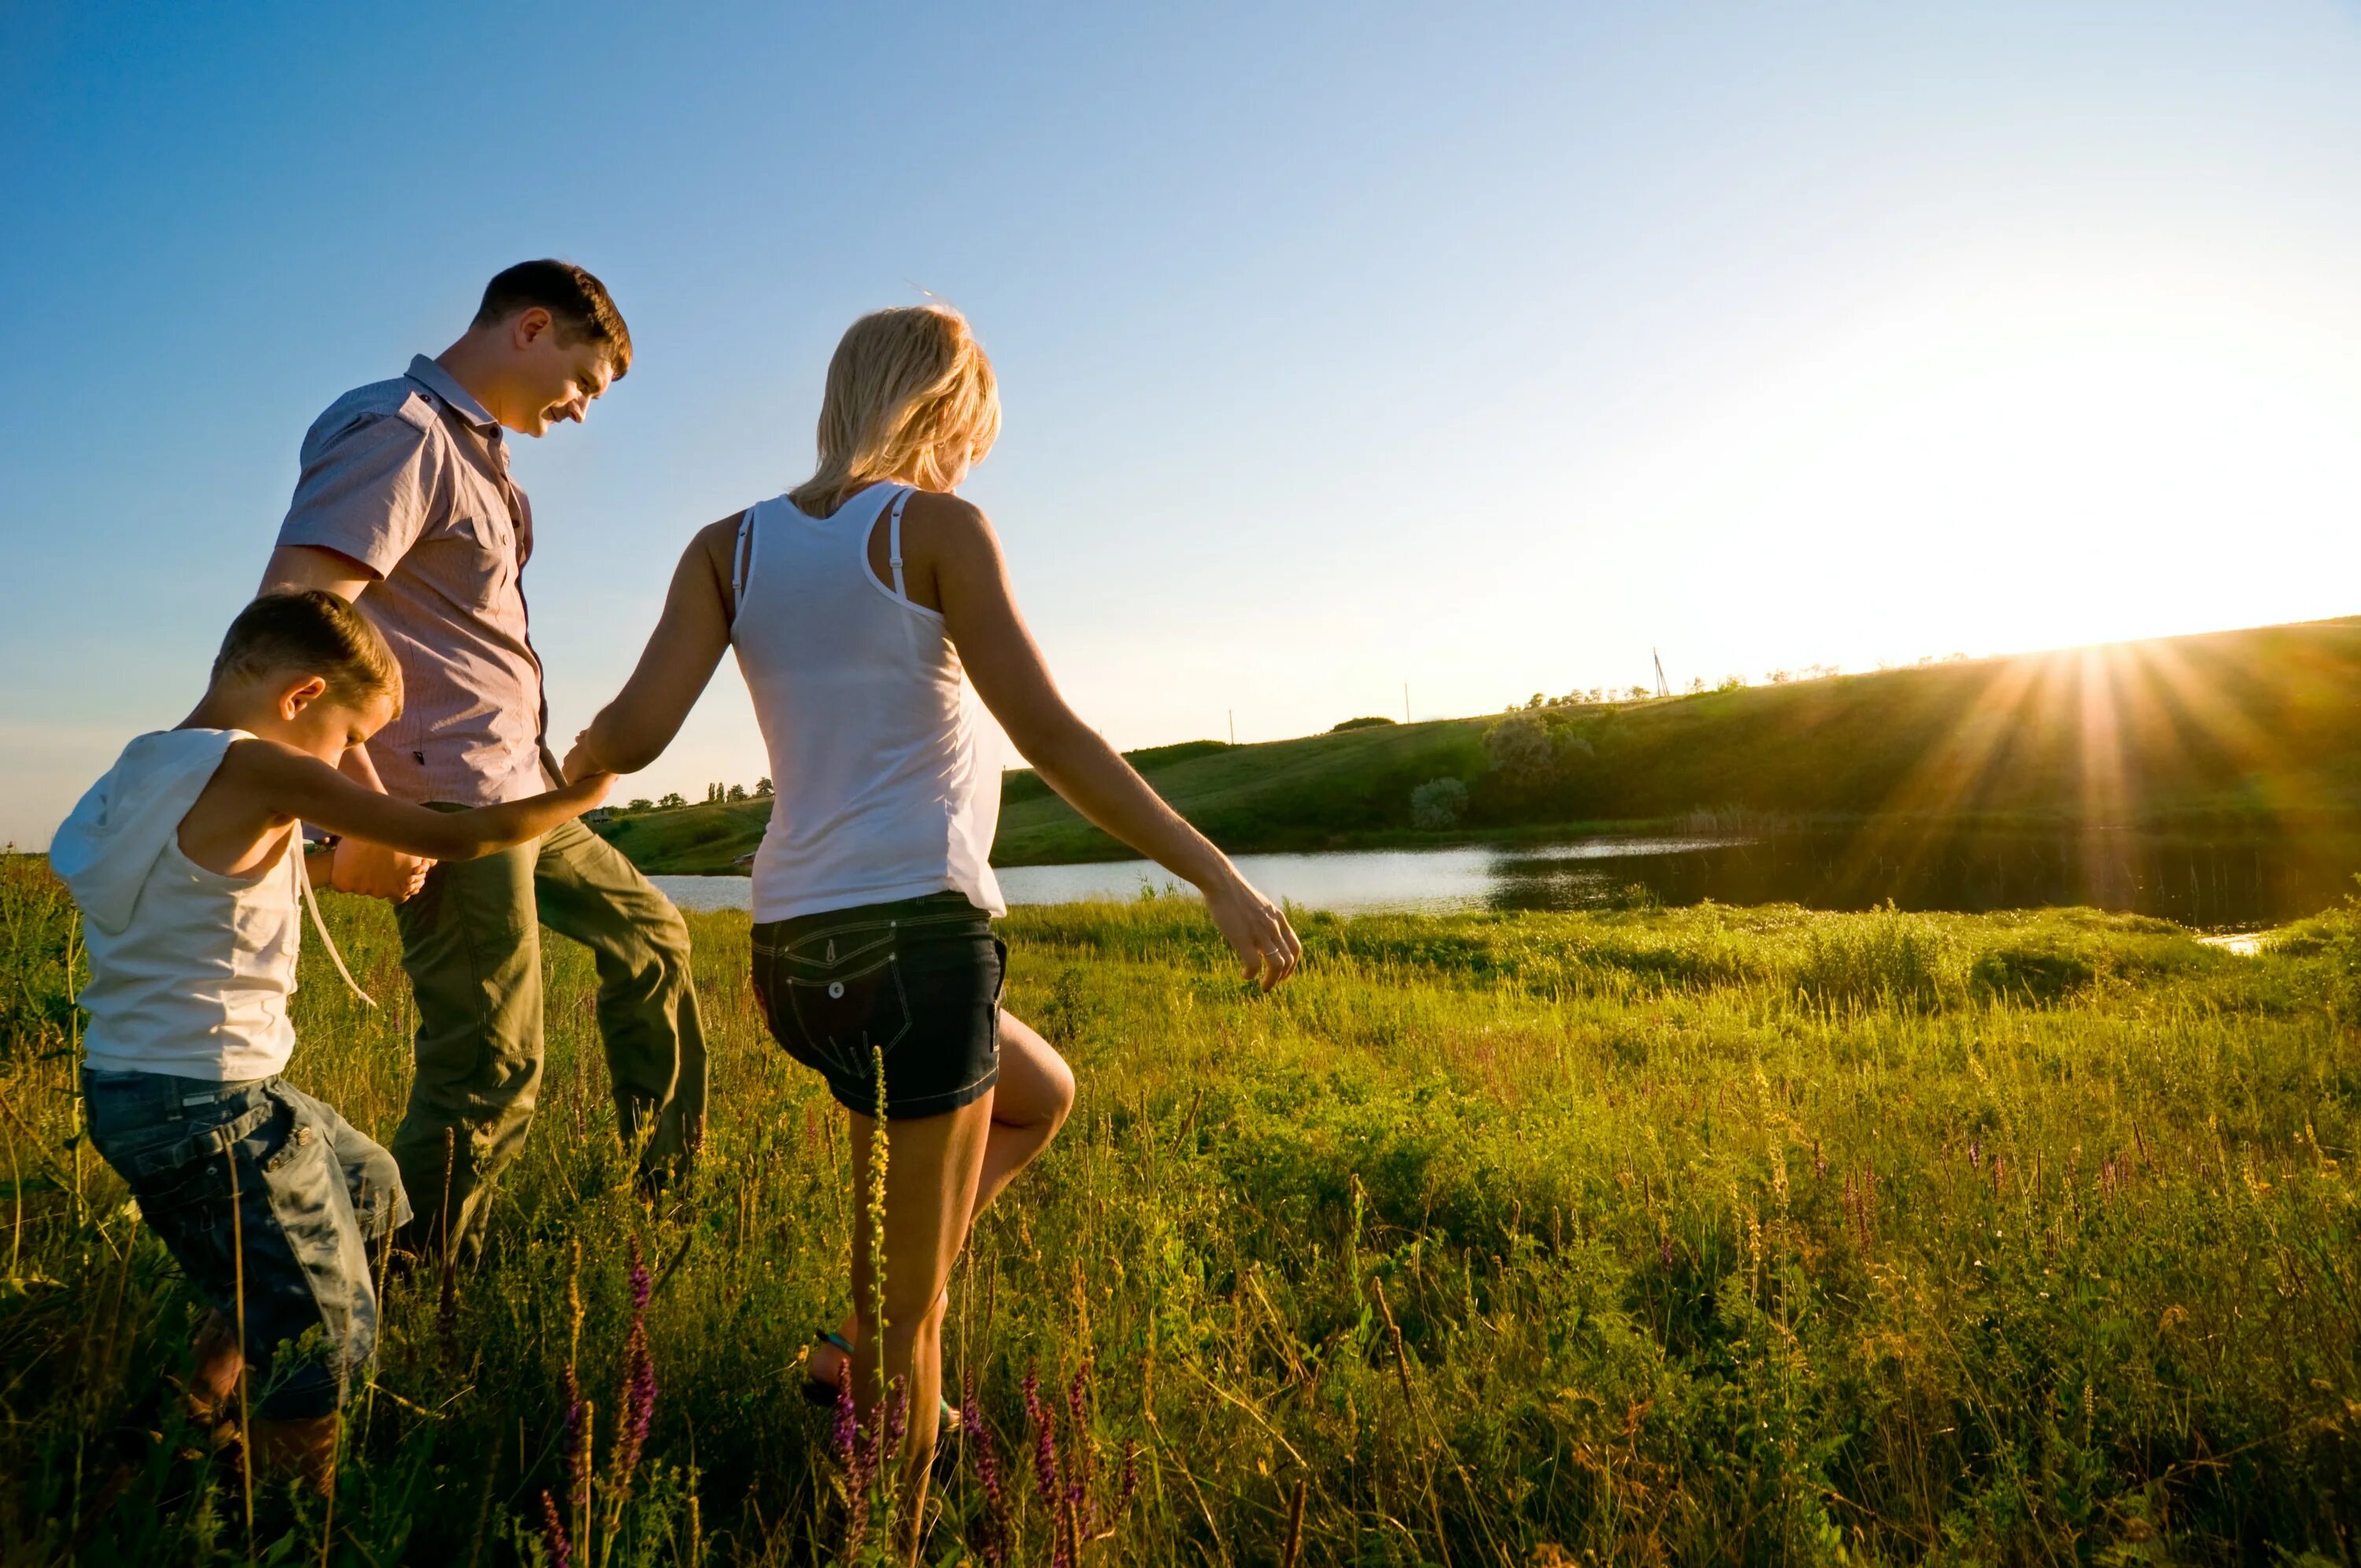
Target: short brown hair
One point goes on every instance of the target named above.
(579, 303)
(312, 631)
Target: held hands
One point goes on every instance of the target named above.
(1256, 930)
(375, 871)
(581, 762)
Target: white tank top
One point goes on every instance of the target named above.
(887, 786)
(194, 982)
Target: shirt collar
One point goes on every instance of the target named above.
(440, 382)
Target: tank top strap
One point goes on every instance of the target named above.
(894, 542)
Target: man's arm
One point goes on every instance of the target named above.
(294, 568)
(359, 866)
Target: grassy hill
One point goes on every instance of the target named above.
(2256, 727)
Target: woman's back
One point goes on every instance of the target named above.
(885, 788)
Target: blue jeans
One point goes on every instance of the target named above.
(312, 1197)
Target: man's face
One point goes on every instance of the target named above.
(552, 380)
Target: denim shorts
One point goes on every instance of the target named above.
(918, 980)
(312, 1195)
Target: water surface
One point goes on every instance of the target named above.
(2238, 881)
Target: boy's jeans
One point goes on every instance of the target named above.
(471, 946)
(313, 1192)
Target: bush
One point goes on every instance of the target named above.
(1357, 724)
(2041, 974)
(1438, 804)
(1885, 958)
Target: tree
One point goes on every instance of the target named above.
(762, 787)
(737, 791)
(643, 803)
(672, 799)
(1438, 804)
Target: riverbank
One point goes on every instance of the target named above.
(2203, 738)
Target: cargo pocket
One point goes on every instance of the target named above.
(845, 998)
(316, 1277)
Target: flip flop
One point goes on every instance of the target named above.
(820, 1393)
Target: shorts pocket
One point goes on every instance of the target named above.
(845, 1009)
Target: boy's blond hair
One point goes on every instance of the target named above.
(312, 631)
(910, 399)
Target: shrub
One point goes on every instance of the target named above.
(1885, 959)
(2042, 973)
(1438, 804)
(1357, 724)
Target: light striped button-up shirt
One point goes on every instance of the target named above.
(408, 478)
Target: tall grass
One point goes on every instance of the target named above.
(1707, 1235)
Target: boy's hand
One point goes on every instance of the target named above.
(580, 762)
(589, 789)
(375, 871)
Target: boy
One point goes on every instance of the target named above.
(186, 860)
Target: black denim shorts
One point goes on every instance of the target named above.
(260, 1191)
(917, 980)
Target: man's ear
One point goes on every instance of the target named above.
(303, 695)
(529, 325)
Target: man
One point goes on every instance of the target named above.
(405, 507)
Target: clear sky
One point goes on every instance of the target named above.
(1482, 348)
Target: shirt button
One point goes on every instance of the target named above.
(835, 989)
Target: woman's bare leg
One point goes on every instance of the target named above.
(930, 1175)
(1028, 1105)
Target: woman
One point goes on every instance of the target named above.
(857, 602)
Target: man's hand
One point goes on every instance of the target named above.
(375, 871)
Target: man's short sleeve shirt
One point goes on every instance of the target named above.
(406, 478)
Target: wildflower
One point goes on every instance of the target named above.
(1045, 1438)
(847, 1430)
(561, 1550)
(638, 1398)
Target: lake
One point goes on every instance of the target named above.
(2239, 882)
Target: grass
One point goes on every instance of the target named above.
(2237, 732)
(1709, 1235)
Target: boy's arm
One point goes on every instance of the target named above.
(632, 730)
(285, 780)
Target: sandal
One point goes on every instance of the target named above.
(825, 1394)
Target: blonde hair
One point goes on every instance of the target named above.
(910, 399)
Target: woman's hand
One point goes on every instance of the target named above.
(1256, 929)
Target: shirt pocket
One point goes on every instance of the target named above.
(482, 560)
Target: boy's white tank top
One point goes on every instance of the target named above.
(887, 778)
(195, 984)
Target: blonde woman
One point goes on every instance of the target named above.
(859, 603)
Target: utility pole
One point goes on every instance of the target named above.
(1662, 688)
(1405, 702)
(1233, 727)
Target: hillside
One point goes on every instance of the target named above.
(2248, 727)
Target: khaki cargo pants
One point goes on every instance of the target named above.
(471, 946)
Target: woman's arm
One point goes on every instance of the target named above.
(632, 730)
(285, 782)
(980, 615)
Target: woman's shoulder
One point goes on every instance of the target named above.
(937, 520)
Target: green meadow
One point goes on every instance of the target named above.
(1707, 1235)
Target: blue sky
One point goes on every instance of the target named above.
(1479, 348)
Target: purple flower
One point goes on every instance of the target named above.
(637, 1399)
(577, 1476)
(847, 1430)
(561, 1550)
